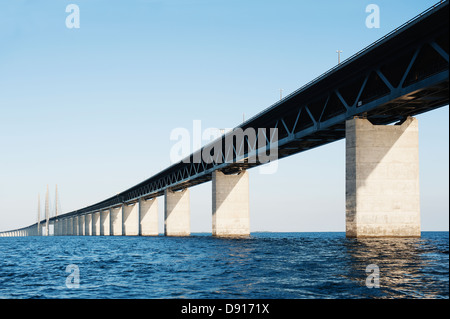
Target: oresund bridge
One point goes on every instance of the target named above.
(370, 99)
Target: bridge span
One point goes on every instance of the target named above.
(402, 74)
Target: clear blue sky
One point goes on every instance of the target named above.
(91, 109)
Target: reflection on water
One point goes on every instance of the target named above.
(266, 265)
(402, 263)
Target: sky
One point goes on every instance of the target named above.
(91, 109)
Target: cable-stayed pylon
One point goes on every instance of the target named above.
(39, 215)
(47, 213)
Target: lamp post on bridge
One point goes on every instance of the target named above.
(339, 56)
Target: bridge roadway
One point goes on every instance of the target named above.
(403, 74)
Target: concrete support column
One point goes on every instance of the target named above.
(382, 179)
(177, 214)
(81, 225)
(148, 215)
(96, 224)
(131, 219)
(105, 223)
(75, 226)
(63, 227)
(70, 226)
(66, 227)
(88, 224)
(230, 204)
(116, 221)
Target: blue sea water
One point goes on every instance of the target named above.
(265, 265)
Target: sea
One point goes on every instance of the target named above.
(266, 265)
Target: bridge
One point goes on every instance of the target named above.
(403, 74)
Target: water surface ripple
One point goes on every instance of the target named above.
(266, 265)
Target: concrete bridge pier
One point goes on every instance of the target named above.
(63, 226)
(382, 179)
(230, 204)
(81, 225)
(70, 226)
(88, 224)
(96, 224)
(56, 226)
(105, 223)
(131, 219)
(177, 214)
(116, 221)
(75, 226)
(67, 227)
(148, 217)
